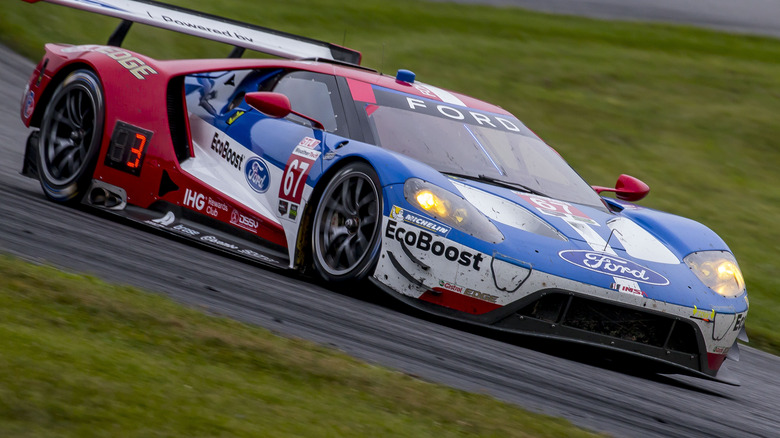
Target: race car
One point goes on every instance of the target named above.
(312, 162)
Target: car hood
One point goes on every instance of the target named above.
(623, 245)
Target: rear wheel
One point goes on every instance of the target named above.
(71, 131)
(346, 224)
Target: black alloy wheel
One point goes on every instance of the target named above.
(347, 223)
(71, 132)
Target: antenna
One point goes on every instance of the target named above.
(382, 65)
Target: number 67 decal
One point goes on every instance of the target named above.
(294, 177)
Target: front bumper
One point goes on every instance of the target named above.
(510, 296)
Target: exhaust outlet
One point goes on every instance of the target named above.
(106, 196)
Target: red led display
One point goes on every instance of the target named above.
(127, 149)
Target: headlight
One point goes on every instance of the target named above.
(450, 209)
(718, 270)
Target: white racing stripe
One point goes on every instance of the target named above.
(591, 237)
(444, 95)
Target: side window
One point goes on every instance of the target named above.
(315, 95)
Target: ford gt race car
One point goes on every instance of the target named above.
(311, 161)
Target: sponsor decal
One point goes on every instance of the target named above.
(246, 222)
(464, 114)
(452, 287)
(288, 210)
(480, 296)
(190, 25)
(217, 204)
(721, 350)
(425, 241)
(399, 214)
(194, 199)
(627, 286)
(185, 230)
(168, 220)
(740, 322)
(223, 149)
(298, 166)
(201, 202)
(554, 207)
(164, 221)
(29, 104)
(235, 116)
(132, 63)
(215, 241)
(306, 153)
(436, 103)
(309, 143)
(257, 175)
(704, 315)
(613, 265)
(257, 255)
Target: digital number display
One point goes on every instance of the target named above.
(128, 147)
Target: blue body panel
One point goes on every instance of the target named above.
(274, 139)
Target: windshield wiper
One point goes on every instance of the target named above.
(497, 182)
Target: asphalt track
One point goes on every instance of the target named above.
(599, 395)
(759, 17)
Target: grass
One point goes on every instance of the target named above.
(82, 358)
(691, 112)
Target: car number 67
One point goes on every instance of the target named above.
(294, 173)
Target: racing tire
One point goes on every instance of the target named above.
(347, 223)
(70, 136)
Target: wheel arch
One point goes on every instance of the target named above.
(302, 244)
(56, 80)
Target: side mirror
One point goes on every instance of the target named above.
(626, 188)
(276, 105)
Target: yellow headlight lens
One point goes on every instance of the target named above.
(426, 199)
(729, 274)
(451, 209)
(718, 270)
(430, 202)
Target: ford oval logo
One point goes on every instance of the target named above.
(613, 265)
(256, 173)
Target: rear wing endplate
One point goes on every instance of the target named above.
(212, 27)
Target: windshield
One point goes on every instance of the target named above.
(473, 144)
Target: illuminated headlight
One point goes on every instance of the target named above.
(718, 270)
(451, 209)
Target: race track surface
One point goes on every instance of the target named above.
(759, 17)
(592, 396)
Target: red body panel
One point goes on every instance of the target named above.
(142, 102)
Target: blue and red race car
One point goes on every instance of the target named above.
(311, 161)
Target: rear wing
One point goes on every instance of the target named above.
(240, 35)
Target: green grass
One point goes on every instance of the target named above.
(691, 112)
(82, 358)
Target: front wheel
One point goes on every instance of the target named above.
(70, 136)
(346, 224)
